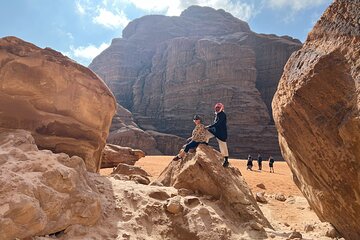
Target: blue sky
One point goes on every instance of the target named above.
(81, 29)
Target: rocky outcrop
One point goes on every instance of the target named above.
(316, 110)
(166, 143)
(42, 193)
(189, 63)
(202, 172)
(66, 106)
(113, 155)
(134, 137)
(125, 132)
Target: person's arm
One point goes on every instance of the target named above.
(220, 119)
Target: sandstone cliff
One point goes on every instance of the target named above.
(66, 106)
(166, 69)
(317, 112)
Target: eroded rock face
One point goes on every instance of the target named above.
(126, 132)
(42, 192)
(191, 62)
(66, 106)
(114, 154)
(316, 110)
(202, 172)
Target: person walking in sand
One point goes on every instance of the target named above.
(271, 163)
(219, 130)
(259, 161)
(249, 163)
(199, 135)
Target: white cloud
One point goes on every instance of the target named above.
(86, 53)
(80, 8)
(154, 5)
(111, 20)
(295, 5)
(239, 9)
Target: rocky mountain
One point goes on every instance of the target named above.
(317, 112)
(166, 69)
(65, 106)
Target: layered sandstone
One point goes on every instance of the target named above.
(166, 69)
(317, 113)
(41, 192)
(66, 106)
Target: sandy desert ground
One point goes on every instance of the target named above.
(293, 214)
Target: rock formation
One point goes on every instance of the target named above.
(166, 69)
(316, 110)
(125, 132)
(66, 106)
(202, 172)
(113, 155)
(42, 193)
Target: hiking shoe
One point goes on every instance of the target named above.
(176, 158)
(225, 163)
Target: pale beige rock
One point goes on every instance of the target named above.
(316, 110)
(129, 170)
(113, 155)
(202, 172)
(66, 106)
(42, 192)
(139, 211)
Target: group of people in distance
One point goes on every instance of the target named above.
(202, 134)
(249, 164)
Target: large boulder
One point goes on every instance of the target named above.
(66, 106)
(133, 137)
(317, 113)
(168, 144)
(202, 172)
(41, 192)
(114, 154)
(124, 131)
(191, 62)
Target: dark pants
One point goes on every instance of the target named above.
(191, 145)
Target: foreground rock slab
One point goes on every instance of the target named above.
(41, 192)
(202, 172)
(317, 113)
(66, 106)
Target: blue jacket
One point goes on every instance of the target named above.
(218, 128)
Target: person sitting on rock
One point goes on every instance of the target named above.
(199, 135)
(271, 163)
(219, 130)
(249, 163)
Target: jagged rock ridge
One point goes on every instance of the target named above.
(166, 69)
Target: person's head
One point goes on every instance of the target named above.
(219, 107)
(197, 119)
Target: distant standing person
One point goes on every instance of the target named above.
(219, 130)
(271, 163)
(199, 135)
(249, 163)
(259, 161)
